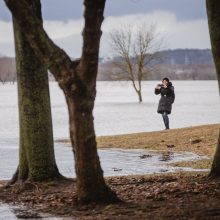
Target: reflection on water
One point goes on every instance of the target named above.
(116, 162)
(117, 110)
(11, 212)
(14, 212)
(166, 156)
(113, 161)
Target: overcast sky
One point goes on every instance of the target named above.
(182, 24)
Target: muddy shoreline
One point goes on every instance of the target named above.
(180, 195)
(165, 196)
(201, 140)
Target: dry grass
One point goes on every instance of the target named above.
(180, 195)
(201, 140)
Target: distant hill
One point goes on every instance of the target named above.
(179, 64)
(187, 57)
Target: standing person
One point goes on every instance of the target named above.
(166, 90)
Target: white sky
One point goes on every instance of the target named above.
(179, 28)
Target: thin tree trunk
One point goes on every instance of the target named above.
(138, 91)
(213, 12)
(36, 150)
(139, 96)
(140, 88)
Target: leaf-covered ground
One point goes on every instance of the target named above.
(160, 196)
(165, 196)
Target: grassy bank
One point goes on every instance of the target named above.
(180, 195)
(201, 140)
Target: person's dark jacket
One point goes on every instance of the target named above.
(167, 98)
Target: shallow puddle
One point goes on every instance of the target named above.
(115, 162)
(11, 212)
(118, 162)
(139, 161)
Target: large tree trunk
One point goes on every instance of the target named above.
(215, 169)
(77, 79)
(213, 12)
(36, 150)
(91, 186)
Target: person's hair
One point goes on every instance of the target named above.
(165, 79)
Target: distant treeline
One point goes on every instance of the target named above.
(179, 64)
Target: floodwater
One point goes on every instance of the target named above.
(116, 112)
(115, 162)
(11, 212)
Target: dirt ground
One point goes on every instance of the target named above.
(165, 196)
(182, 195)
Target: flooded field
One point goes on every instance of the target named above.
(116, 112)
(114, 161)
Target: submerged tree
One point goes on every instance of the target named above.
(36, 149)
(213, 12)
(137, 49)
(77, 79)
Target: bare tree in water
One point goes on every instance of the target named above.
(136, 48)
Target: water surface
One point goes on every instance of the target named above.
(117, 110)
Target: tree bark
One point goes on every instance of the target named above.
(36, 150)
(215, 169)
(213, 12)
(77, 79)
(91, 186)
(140, 96)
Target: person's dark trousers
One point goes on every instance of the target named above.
(165, 120)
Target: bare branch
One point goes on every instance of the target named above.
(56, 60)
(93, 15)
(136, 47)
